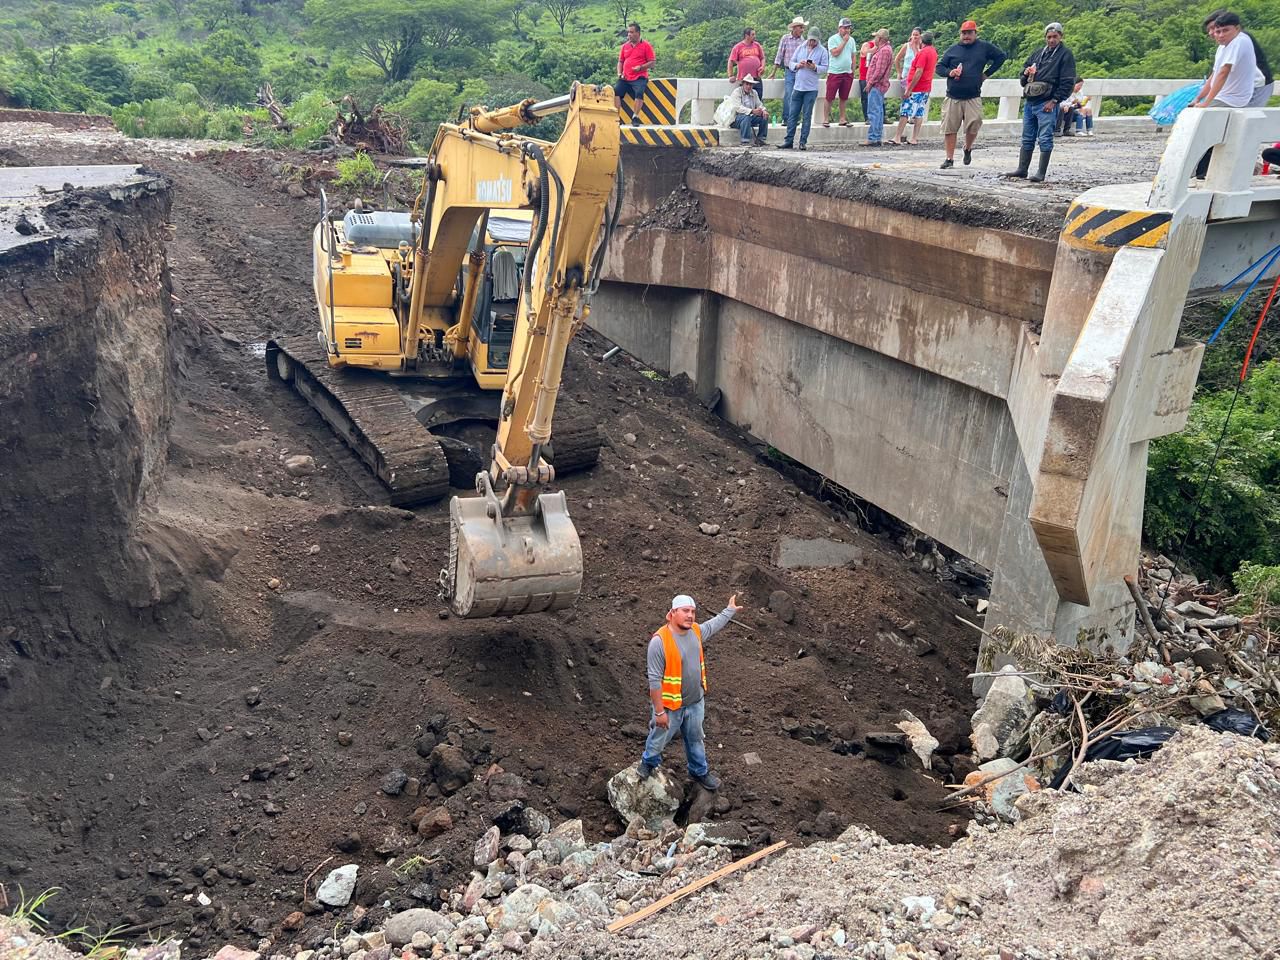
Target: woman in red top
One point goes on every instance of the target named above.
(746, 57)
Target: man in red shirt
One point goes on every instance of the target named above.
(747, 56)
(634, 60)
(864, 57)
(915, 90)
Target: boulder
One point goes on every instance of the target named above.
(726, 833)
(505, 787)
(533, 823)
(400, 928)
(450, 768)
(338, 886)
(565, 839)
(923, 743)
(486, 850)
(519, 908)
(653, 798)
(300, 465)
(1003, 715)
(434, 822)
(782, 606)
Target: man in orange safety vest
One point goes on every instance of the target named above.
(677, 684)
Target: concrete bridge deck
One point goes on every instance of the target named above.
(985, 359)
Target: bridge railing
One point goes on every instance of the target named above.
(702, 96)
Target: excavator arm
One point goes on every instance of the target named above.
(513, 548)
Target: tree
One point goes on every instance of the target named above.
(562, 11)
(99, 69)
(394, 35)
(624, 9)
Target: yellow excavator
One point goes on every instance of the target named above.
(479, 287)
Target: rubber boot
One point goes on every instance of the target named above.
(1024, 161)
(1038, 176)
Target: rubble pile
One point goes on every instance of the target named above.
(1173, 857)
(1197, 658)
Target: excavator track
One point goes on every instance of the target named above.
(368, 413)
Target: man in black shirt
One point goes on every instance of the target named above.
(965, 65)
(1047, 79)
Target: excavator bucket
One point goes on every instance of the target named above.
(507, 566)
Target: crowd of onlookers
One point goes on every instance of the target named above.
(1053, 98)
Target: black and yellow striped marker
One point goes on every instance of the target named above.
(1102, 229)
(671, 136)
(659, 106)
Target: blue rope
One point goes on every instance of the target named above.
(1270, 256)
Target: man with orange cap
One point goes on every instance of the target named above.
(965, 65)
(677, 685)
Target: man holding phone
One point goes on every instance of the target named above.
(808, 61)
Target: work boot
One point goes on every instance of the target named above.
(1038, 176)
(1024, 161)
(709, 780)
(645, 770)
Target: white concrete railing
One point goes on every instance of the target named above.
(704, 95)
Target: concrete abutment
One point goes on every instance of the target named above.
(994, 384)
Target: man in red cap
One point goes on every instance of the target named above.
(965, 65)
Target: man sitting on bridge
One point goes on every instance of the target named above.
(749, 113)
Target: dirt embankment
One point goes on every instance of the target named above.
(87, 382)
(239, 733)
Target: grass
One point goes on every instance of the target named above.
(100, 946)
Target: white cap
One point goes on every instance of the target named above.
(682, 600)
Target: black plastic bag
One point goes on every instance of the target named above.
(1242, 722)
(1132, 744)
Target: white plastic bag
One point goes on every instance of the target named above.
(725, 112)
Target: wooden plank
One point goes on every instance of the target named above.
(624, 922)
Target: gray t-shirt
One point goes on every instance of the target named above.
(687, 644)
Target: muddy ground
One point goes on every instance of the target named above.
(233, 739)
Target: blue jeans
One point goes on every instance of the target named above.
(788, 87)
(1037, 126)
(802, 102)
(746, 122)
(687, 721)
(875, 115)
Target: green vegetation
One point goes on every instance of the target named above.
(1239, 516)
(1258, 585)
(185, 68)
(27, 910)
(357, 174)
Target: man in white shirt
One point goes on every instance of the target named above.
(1235, 68)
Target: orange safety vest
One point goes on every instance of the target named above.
(673, 667)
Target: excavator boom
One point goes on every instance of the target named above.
(513, 548)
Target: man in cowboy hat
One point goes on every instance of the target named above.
(677, 687)
(787, 46)
(749, 114)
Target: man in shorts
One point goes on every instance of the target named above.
(634, 60)
(965, 65)
(840, 47)
(915, 90)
